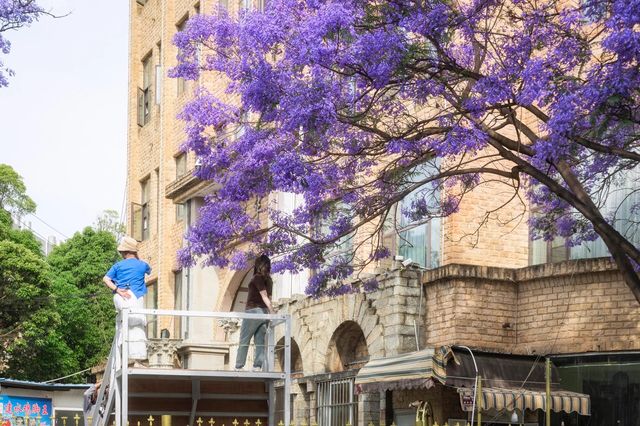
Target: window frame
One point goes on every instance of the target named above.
(396, 227)
(181, 83)
(145, 196)
(151, 302)
(144, 92)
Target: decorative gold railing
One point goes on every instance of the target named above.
(166, 421)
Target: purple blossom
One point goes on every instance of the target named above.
(341, 101)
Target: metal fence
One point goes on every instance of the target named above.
(167, 421)
(337, 402)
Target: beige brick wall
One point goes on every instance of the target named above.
(152, 148)
(575, 306)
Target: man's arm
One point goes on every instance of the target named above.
(113, 287)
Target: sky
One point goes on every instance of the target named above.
(63, 118)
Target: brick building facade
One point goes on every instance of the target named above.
(480, 291)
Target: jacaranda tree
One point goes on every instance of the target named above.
(355, 104)
(15, 14)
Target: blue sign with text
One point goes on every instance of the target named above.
(25, 411)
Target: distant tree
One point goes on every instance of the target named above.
(13, 192)
(31, 346)
(24, 284)
(15, 14)
(72, 326)
(87, 316)
(23, 237)
(109, 221)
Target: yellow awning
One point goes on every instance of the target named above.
(521, 399)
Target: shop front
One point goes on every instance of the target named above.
(612, 381)
(458, 384)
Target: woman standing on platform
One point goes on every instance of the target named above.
(126, 280)
(258, 302)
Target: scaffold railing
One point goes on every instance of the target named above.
(196, 329)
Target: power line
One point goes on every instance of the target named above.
(69, 375)
(54, 229)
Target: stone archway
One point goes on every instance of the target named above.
(233, 298)
(297, 366)
(347, 348)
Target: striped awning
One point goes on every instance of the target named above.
(521, 399)
(412, 370)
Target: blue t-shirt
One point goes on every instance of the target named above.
(129, 273)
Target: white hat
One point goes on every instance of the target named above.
(128, 244)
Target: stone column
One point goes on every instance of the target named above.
(368, 409)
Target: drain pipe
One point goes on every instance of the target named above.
(416, 326)
(475, 387)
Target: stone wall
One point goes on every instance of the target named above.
(575, 306)
(386, 318)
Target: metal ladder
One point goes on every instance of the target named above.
(101, 410)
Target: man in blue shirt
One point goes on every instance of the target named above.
(126, 280)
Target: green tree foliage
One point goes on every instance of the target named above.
(23, 284)
(56, 317)
(84, 305)
(13, 192)
(23, 237)
(73, 329)
(109, 220)
(32, 345)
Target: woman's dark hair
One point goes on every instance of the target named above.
(262, 262)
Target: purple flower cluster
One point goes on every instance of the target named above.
(341, 101)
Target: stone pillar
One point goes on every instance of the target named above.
(399, 313)
(161, 352)
(368, 409)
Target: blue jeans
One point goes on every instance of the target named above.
(255, 328)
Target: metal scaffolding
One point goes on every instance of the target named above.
(114, 394)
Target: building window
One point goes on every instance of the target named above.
(287, 284)
(418, 239)
(619, 204)
(140, 213)
(151, 302)
(612, 381)
(182, 83)
(144, 198)
(180, 212)
(244, 5)
(337, 402)
(177, 303)
(343, 247)
(181, 165)
(144, 93)
(141, 2)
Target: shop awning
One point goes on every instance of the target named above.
(521, 399)
(510, 381)
(407, 371)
